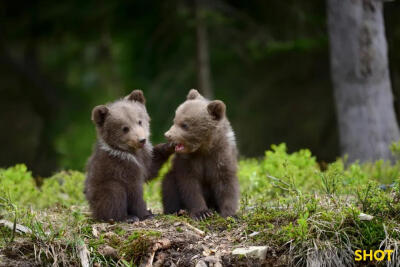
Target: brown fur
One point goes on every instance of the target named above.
(203, 174)
(123, 160)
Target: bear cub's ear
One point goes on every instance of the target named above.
(216, 109)
(137, 95)
(193, 94)
(99, 115)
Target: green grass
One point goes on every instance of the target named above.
(304, 213)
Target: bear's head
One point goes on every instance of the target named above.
(124, 124)
(195, 122)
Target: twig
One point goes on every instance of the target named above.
(83, 254)
(14, 225)
(197, 230)
(279, 180)
(160, 244)
(149, 262)
(160, 260)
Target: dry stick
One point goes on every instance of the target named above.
(160, 244)
(160, 260)
(18, 227)
(151, 259)
(279, 180)
(83, 254)
(197, 230)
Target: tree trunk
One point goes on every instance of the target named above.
(360, 75)
(203, 62)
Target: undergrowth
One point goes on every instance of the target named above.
(307, 215)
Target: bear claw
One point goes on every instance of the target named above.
(202, 215)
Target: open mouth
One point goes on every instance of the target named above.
(179, 147)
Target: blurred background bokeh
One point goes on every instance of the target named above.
(268, 61)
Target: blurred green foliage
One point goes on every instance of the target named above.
(17, 184)
(64, 188)
(269, 62)
(60, 59)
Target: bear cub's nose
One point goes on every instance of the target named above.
(142, 141)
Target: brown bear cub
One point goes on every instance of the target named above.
(123, 159)
(203, 174)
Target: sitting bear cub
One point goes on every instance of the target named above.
(203, 174)
(123, 159)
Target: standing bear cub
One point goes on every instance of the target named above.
(123, 159)
(203, 174)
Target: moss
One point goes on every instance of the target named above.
(167, 218)
(120, 231)
(115, 241)
(371, 233)
(137, 245)
(216, 223)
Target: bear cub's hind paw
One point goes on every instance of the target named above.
(132, 219)
(148, 215)
(201, 215)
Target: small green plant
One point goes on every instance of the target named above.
(298, 231)
(330, 182)
(395, 148)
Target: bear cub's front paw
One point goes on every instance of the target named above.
(169, 148)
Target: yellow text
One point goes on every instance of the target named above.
(370, 255)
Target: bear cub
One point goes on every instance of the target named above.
(123, 159)
(203, 175)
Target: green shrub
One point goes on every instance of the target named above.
(64, 188)
(17, 184)
(278, 173)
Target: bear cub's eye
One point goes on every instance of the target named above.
(125, 129)
(184, 126)
(140, 122)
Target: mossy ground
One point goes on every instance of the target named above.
(305, 215)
